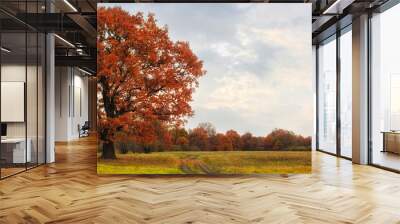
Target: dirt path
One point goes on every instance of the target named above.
(204, 167)
(185, 168)
(192, 165)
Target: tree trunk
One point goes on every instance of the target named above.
(146, 149)
(108, 151)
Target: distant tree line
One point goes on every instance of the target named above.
(205, 138)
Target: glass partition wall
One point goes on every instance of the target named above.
(22, 92)
(13, 85)
(385, 89)
(334, 80)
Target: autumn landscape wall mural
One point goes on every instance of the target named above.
(204, 88)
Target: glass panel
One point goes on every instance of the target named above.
(32, 88)
(13, 87)
(31, 98)
(386, 89)
(394, 101)
(16, 8)
(41, 98)
(327, 96)
(314, 66)
(346, 94)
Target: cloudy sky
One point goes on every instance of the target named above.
(258, 62)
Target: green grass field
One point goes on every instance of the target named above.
(231, 162)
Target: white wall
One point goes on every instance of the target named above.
(70, 83)
(79, 117)
(62, 81)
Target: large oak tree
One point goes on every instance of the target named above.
(144, 78)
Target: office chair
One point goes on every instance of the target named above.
(84, 130)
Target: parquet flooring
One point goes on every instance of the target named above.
(69, 191)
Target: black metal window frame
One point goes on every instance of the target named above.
(387, 5)
(334, 37)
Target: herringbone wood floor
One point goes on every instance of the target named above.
(70, 191)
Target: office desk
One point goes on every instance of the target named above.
(13, 150)
(391, 142)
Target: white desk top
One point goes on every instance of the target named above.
(13, 140)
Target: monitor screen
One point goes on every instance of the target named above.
(3, 129)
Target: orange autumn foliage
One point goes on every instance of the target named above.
(144, 78)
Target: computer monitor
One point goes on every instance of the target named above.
(3, 129)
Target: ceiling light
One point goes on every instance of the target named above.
(337, 7)
(86, 72)
(64, 40)
(326, 11)
(334, 5)
(79, 51)
(70, 5)
(5, 50)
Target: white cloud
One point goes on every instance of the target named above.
(238, 91)
(258, 62)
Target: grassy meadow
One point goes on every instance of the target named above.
(208, 162)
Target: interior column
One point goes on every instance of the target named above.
(360, 90)
(50, 92)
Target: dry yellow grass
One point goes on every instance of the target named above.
(232, 162)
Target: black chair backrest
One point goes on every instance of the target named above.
(86, 125)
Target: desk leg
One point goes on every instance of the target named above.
(384, 142)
